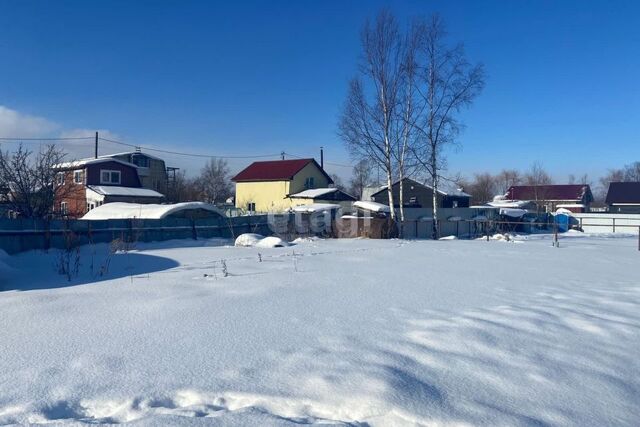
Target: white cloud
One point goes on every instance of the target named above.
(16, 124)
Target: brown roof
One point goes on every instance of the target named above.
(550, 192)
(623, 192)
(275, 170)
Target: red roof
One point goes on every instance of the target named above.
(550, 192)
(275, 170)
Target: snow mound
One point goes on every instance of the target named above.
(448, 238)
(272, 242)
(306, 239)
(248, 239)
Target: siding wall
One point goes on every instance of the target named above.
(128, 175)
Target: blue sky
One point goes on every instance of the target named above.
(252, 78)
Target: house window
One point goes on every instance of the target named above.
(454, 204)
(308, 183)
(78, 176)
(251, 207)
(90, 206)
(60, 178)
(109, 177)
(64, 208)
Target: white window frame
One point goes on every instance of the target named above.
(64, 208)
(110, 171)
(251, 205)
(60, 178)
(76, 173)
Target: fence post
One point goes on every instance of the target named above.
(639, 238)
(614, 225)
(194, 231)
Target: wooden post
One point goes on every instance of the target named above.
(614, 225)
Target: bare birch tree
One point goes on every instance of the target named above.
(32, 182)
(370, 118)
(449, 83)
(409, 106)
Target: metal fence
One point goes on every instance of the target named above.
(19, 235)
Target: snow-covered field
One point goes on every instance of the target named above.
(358, 332)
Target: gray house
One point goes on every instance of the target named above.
(624, 197)
(418, 195)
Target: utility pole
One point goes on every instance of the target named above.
(96, 150)
(322, 157)
(282, 155)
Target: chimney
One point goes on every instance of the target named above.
(322, 157)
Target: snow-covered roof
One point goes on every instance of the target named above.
(316, 207)
(371, 206)
(128, 153)
(313, 193)
(513, 213)
(509, 203)
(76, 164)
(570, 205)
(119, 210)
(114, 190)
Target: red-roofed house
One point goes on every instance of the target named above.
(265, 186)
(573, 197)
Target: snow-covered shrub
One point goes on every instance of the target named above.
(272, 242)
(248, 239)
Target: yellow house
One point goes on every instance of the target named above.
(265, 186)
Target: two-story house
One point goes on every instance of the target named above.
(266, 186)
(86, 184)
(152, 170)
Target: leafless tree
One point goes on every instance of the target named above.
(506, 179)
(448, 83)
(361, 177)
(214, 181)
(538, 178)
(337, 181)
(408, 108)
(31, 181)
(482, 188)
(183, 189)
(632, 172)
(370, 118)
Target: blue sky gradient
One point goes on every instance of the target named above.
(251, 78)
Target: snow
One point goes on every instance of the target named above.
(313, 193)
(340, 332)
(248, 239)
(120, 210)
(81, 163)
(272, 242)
(514, 213)
(316, 207)
(259, 241)
(508, 203)
(371, 206)
(114, 190)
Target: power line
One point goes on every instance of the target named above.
(180, 153)
(43, 139)
(326, 163)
